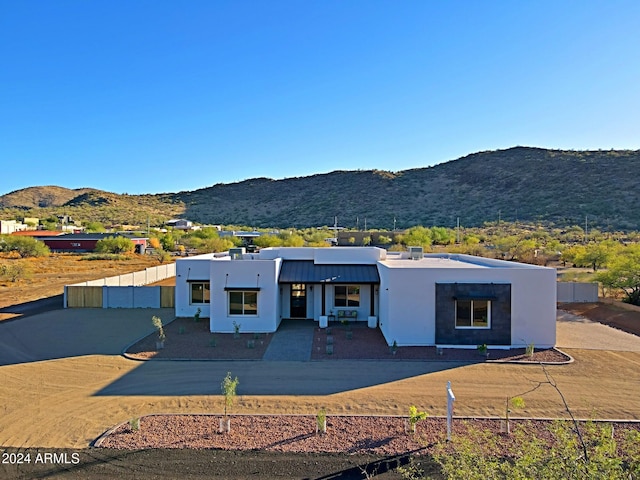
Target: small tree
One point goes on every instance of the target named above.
(384, 240)
(14, 271)
(157, 322)
(24, 246)
(624, 273)
(415, 416)
(115, 245)
(94, 227)
(228, 387)
(154, 243)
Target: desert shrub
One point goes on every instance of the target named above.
(594, 454)
(24, 246)
(105, 256)
(14, 271)
(115, 245)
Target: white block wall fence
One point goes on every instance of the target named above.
(121, 291)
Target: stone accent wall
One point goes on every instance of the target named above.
(500, 331)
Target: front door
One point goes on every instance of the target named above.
(298, 300)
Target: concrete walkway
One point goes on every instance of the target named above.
(292, 342)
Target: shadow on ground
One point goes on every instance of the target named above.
(266, 378)
(69, 333)
(201, 464)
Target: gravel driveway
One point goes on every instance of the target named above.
(574, 331)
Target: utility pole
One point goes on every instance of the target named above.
(586, 230)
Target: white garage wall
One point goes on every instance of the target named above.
(407, 301)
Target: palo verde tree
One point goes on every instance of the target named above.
(417, 236)
(115, 245)
(624, 273)
(598, 254)
(23, 246)
(228, 388)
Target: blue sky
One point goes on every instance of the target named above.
(163, 96)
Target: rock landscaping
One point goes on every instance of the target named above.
(188, 339)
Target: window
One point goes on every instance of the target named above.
(346, 296)
(473, 313)
(243, 303)
(200, 292)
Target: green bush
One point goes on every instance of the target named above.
(24, 246)
(105, 256)
(595, 454)
(115, 245)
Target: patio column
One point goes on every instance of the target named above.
(323, 300)
(372, 303)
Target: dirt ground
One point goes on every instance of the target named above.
(620, 318)
(47, 276)
(67, 401)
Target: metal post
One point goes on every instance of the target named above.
(450, 399)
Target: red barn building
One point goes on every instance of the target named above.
(86, 242)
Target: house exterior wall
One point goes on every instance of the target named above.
(408, 300)
(407, 314)
(405, 301)
(498, 331)
(261, 274)
(197, 268)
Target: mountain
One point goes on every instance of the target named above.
(41, 197)
(520, 183)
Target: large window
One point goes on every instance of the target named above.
(243, 303)
(473, 313)
(347, 296)
(200, 292)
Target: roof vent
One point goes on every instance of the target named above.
(237, 253)
(416, 253)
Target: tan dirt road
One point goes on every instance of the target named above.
(49, 398)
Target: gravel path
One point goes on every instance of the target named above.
(383, 436)
(577, 331)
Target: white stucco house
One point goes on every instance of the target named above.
(446, 300)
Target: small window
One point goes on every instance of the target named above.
(473, 314)
(346, 296)
(243, 303)
(200, 292)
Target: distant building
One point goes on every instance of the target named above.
(180, 224)
(7, 227)
(39, 234)
(86, 242)
(32, 222)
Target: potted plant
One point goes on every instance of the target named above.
(236, 329)
(228, 387)
(157, 322)
(321, 421)
(483, 350)
(196, 317)
(394, 347)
